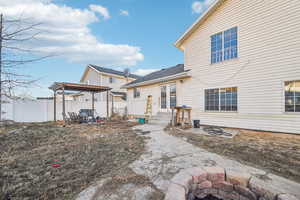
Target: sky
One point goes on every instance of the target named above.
(119, 34)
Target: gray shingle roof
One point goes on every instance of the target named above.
(112, 71)
(159, 74)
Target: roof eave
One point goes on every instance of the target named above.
(154, 81)
(199, 21)
(111, 74)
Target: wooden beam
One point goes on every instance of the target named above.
(93, 103)
(54, 99)
(112, 104)
(107, 104)
(64, 104)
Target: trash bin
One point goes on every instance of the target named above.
(196, 123)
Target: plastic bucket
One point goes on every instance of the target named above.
(196, 123)
(141, 120)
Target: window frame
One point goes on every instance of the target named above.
(217, 51)
(223, 58)
(163, 105)
(294, 98)
(111, 79)
(173, 95)
(231, 46)
(219, 100)
(136, 93)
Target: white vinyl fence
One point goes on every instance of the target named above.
(43, 110)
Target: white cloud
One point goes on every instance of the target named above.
(124, 12)
(101, 10)
(66, 33)
(200, 6)
(143, 72)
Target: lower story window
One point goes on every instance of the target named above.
(136, 93)
(292, 96)
(221, 99)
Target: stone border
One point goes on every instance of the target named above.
(221, 183)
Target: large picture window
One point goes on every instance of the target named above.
(221, 99)
(292, 96)
(224, 45)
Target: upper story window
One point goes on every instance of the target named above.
(292, 96)
(111, 79)
(230, 44)
(224, 46)
(217, 48)
(136, 93)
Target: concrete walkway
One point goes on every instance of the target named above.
(166, 155)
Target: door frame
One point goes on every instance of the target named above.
(161, 98)
(168, 99)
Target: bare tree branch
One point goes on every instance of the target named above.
(15, 36)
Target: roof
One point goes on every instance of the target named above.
(118, 93)
(45, 98)
(112, 71)
(198, 22)
(159, 74)
(78, 87)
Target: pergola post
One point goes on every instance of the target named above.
(107, 104)
(54, 104)
(112, 104)
(93, 103)
(62, 86)
(64, 104)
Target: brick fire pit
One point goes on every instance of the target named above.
(198, 183)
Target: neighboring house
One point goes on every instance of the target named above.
(244, 59)
(95, 75)
(165, 87)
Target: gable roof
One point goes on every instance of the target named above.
(198, 23)
(178, 69)
(112, 71)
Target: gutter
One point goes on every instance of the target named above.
(196, 24)
(163, 79)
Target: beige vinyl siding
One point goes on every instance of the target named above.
(268, 55)
(137, 106)
(95, 78)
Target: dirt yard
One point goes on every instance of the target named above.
(48, 161)
(274, 152)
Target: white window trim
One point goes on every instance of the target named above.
(223, 47)
(221, 111)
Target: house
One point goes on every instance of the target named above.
(241, 68)
(164, 86)
(243, 58)
(95, 75)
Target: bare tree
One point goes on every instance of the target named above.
(16, 38)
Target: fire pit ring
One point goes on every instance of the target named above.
(219, 183)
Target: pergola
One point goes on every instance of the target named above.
(63, 86)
